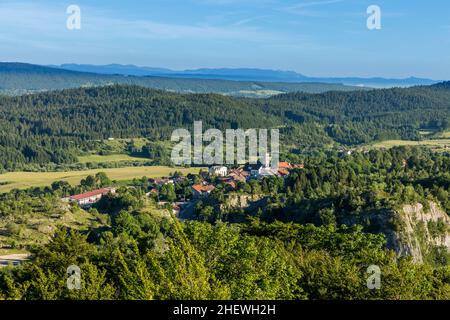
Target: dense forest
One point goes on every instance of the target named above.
(53, 127)
(362, 189)
(300, 245)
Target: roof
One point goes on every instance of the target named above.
(161, 181)
(284, 165)
(201, 188)
(283, 171)
(91, 194)
(238, 172)
(231, 184)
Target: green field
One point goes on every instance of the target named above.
(436, 144)
(12, 251)
(95, 158)
(23, 180)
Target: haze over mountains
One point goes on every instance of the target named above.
(19, 78)
(244, 74)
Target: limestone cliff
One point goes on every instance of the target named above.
(419, 231)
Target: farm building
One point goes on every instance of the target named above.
(89, 198)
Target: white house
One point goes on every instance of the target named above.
(219, 171)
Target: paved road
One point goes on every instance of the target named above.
(13, 259)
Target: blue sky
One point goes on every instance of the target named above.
(313, 37)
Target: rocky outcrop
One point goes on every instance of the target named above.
(419, 230)
(411, 230)
(241, 201)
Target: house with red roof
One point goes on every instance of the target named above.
(87, 199)
(200, 190)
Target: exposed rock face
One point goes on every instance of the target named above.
(240, 201)
(419, 231)
(411, 231)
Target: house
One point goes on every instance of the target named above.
(152, 192)
(404, 163)
(218, 171)
(285, 165)
(284, 168)
(260, 170)
(200, 190)
(255, 169)
(231, 183)
(89, 198)
(343, 151)
(228, 181)
(283, 172)
(238, 175)
(161, 182)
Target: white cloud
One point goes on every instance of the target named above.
(38, 22)
(304, 8)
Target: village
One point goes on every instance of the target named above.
(195, 187)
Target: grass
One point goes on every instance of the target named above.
(426, 132)
(5, 252)
(22, 229)
(24, 180)
(37, 226)
(94, 158)
(437, 144)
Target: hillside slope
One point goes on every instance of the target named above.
(53, 126)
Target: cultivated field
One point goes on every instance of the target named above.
(109, 158)
(436, 144)
(23, 180)
(446, 134)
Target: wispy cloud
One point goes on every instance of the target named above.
(235, 2)
(48, 22)
(305, 8)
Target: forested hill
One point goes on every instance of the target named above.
(360, 117)
(19, 78)
(442, 85)
(48, 127)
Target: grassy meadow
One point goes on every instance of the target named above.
(435, 144)
(23, 180)
(95, 158)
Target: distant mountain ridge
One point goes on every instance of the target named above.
(245, 74)
(20, 78)
(113, 69)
